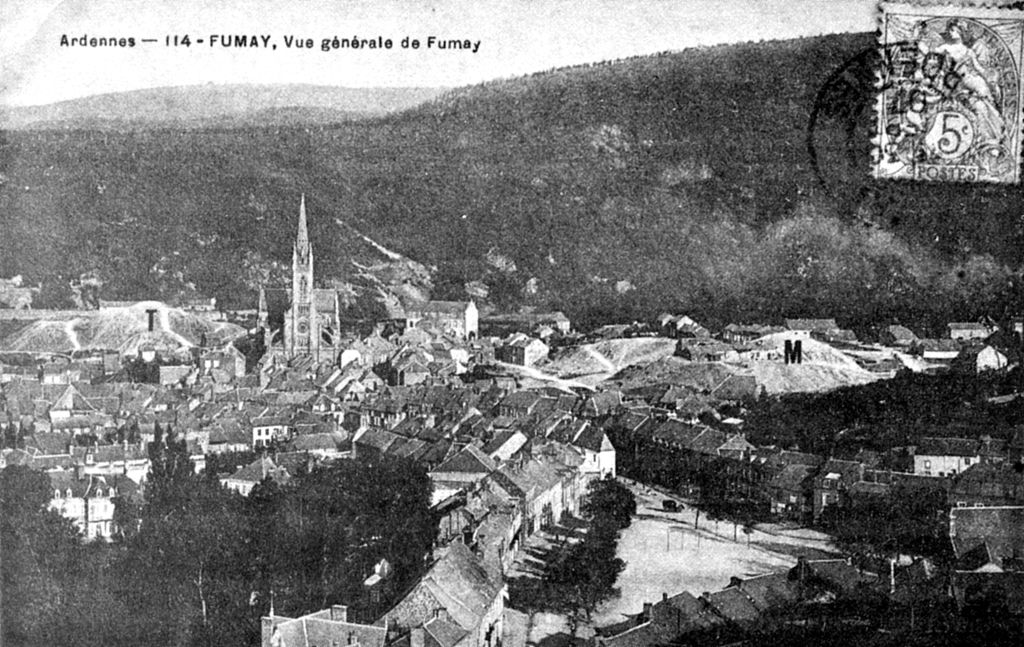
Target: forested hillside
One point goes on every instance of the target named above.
(682, 181)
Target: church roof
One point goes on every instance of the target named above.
(302, 240)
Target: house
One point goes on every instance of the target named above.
(966, 331)
(496, 538)
(248, 476)
(598, 452)
(519, 404)
(837, 576)
(681, 326)
(173, 374)
(457, 603)
(896, 335)
(790, 491)
(121, 460)
(988, 543)
(548, 489)
(88, 501)
(936, 350)
(521, 350)
(999, 530)
(592, 444)
(410, 366)
(988, 484)
(227, 435)
(979, 359)
(227, 359)
(323, 445)
(525, 322)
(458, 318)
(661, 623)
(705, 350)
(734, 606)
(945, 456)
(505, 444)
(832, 484)
(270, 426)
(464, 468)
(199, 304)
(326, 628)
(371, 444)
(807, 327)
(744, 333)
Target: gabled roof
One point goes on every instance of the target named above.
(593, 438)
(316, 442)
(979, 557)
(506, 442)
(837, 573)
(769, 591)
(568, 429)
(521, 399)
(968, 325)
(1001, 528)
(258, 470)
(929, 446)
(848, 472)
(504, 483)
(792, 477)
(49, 443)
(71, 400)
(901, 333)
(441, 632)
(734, 605)
(471, 459)
(457, 583)
(709, 441)
(378, 439)
(318, 630)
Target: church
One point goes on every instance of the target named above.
(305, 319)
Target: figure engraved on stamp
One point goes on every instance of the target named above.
(949, 94)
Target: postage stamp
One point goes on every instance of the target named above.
(949, 99)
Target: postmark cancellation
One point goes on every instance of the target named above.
(949, 93)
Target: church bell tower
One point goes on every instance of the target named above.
(303, 338)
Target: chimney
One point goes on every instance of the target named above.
(339, 613)
(416, 637)
(647, 610)
(151, 319)
(664, 597)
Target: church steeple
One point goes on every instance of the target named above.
(302, 247)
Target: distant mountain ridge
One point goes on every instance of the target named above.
(219, 106)
(680, 182)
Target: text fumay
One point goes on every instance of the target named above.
(286, 42)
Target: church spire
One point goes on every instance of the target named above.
(302, 241)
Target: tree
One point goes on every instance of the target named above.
(609, 499)
(40, 555)
(187, 562)
(346, 516)
(583, 575)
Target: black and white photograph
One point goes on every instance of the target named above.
(476, 323)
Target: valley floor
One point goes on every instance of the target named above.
(664, 553)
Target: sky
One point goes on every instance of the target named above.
(516, 37)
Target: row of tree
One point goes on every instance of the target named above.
(578, 576)
(199, 565)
